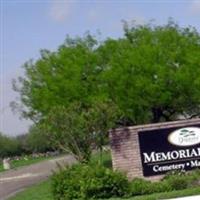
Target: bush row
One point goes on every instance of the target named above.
(23, 144)
(91, 181)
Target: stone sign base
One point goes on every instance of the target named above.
(125, 149)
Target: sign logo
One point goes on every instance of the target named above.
(185, 136)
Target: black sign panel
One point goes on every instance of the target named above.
(168, 149)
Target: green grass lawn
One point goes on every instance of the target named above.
(19, 163)
(42, 191)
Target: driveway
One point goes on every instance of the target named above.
(14, 181)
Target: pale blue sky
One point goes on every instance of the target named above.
(30, 25)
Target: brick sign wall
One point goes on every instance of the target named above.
(150, 151)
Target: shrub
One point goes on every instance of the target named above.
(89, 182)
(178, 180)
(94, 181)
(65, 184)
(194, 175)
(140, 186)
(175, 173)
(161, 186)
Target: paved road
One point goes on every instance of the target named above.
(14, 181)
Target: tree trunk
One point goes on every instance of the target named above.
(157, 114)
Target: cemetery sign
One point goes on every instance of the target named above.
(164, 150)
(150, 151)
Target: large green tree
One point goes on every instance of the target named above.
(59, 78)
(151, 74)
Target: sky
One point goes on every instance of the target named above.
(27, 26)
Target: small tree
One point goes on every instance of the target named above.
(102, 116)
(66, 129)
(77, 130)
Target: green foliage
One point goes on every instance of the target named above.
(36, 141)
(94, 181)
(161, 186)
(178, 180)
(67, 129)
(103, 158)
(151, 74)
(89, 182)
(143, 187)
(9, 146)
(33, 142)
(77, 130)
(172, 181)
(59, 78)
(140, 187)
(42, 192)
(175, 173)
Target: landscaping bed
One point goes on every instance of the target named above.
(42, 192)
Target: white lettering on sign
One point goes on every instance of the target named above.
(157, 168)
(171, 155)
(195, 163)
